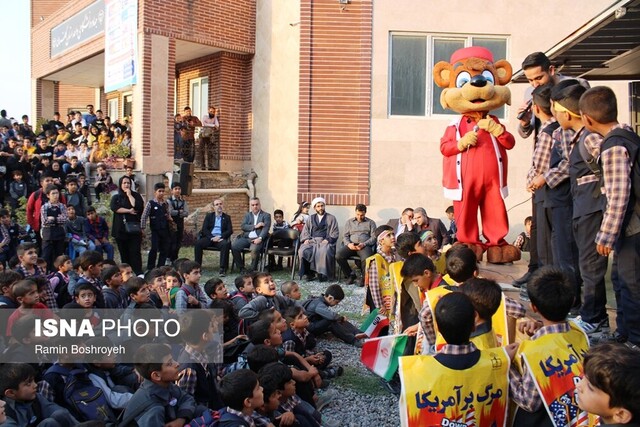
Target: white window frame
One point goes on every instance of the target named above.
(112, 111)
(203, 89)
(124, 97)
(430, 46)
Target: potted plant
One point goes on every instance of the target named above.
(119, 155)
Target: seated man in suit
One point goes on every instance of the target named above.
(216, 233)
(404, 223)
(425, 223)
(318, 248)
(255, 230)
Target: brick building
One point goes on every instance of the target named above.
(312, 92)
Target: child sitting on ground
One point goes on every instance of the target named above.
(266, 414)
(298, 339)
(60, 278)
(149, 404)
(26, 407)
(491, 321)
(524, 238)
(7, 279)
(459, 366)
(244, 292)
(215, 289)
(242, 394)
(291, 290)
(172, 282)
(610, 387)
(266, 289)
(552, 296)
(322, 319)
(190, 295)
(113, 293)
(26, 294)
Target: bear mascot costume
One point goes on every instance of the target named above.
(475, 148)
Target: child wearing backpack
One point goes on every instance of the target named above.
(215, 289)
(197, 377)
(24, 405)
(244, 293)
(113, 292)
(7, 279)
(60, 279)
(148, 406)
(69, 386)
(620, 228)
(190, 295)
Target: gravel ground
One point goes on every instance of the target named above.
(361, 399)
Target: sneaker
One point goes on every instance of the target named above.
(592, 328)
(632, 346)
(222, 273)
(324, 399)
(524, 295)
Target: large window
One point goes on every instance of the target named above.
(199, 96)
(412, 91)
(112, 109)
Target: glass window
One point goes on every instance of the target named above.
(199, 96)
(112, 109)
(412, 91)
(408, 75)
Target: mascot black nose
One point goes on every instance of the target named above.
(478, 81)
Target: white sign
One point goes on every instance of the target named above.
(120, 44)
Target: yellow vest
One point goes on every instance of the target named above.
(555, 362)
(499, 323)
(384, 280)
(485, 341)
(434, 395)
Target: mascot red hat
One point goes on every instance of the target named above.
(475, 149)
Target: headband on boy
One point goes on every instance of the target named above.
(382, 235)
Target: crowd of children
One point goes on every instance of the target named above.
(269, 342)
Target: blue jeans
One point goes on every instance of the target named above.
(626, 285)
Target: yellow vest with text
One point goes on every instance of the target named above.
(384, 280)
(434, 395)
(555, 362)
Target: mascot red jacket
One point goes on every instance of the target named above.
(475, 149)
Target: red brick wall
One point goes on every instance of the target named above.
(235, 205)
(230, 89)
(230, 25)
(335, 99)
(72, 97)
(44, 8)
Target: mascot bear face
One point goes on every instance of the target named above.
(473, 83)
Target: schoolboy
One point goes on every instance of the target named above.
(179, 210)
(244, 291)
(486, 296)
(215, 289)
(291, 289)
(265, 288)
(552, 296)
(28, 256)
(53, 218)
(12, 229)
(190, 295)
(98, 232)
(25, 406)
(564, 98)
(198, 373)
(453, 367)
(76, 229)
(148, 406)
(75, 198)
(126, 271)
(173, 281)
(23, 342)
(113, 292)
(266, 414)
(91, 265)
(156, 213)
(26, 294)
(242, 394)
(377, 279)
(7, 279)
(610, 387)
(155, 280)
(278, 224)
(322, 319)
(523, 241)
(620, 228)
(299, 340)
(17, 188)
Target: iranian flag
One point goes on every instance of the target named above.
(374, 324)
(381, 354)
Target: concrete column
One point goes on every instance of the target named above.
(152, 96)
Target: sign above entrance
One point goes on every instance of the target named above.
(82, 26)
(120, 44)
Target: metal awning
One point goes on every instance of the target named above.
(605, 48)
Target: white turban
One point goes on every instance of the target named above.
(317, 200)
